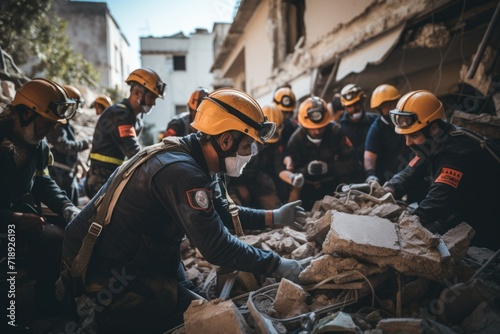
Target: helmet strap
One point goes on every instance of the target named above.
(23, 112)
(143, 98)
(224, 154)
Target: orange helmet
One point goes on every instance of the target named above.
(196, 97)
(47, 98)
(74, 94)
(415, 110)
(103, 100)
(229, 109)
(285, 99)
(149, 79)
(273, 114)
(383, 93)
(314, 113)
(351, 94)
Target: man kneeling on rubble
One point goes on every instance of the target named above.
(135, 276)
(463, 168)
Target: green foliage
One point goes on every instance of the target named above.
(28, 28)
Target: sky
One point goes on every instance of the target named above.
(158, 18)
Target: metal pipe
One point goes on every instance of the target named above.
(484, 42)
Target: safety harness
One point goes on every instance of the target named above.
(105, 204)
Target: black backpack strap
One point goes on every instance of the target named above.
(484, 142)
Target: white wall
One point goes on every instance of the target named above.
(180, 84)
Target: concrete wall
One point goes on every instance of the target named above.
(94, 33)
(157, 53)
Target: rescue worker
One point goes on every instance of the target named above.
(285, 100)
(258, 185)
(385, 151)
(117, 130)
(64, 147)
(320, 151)
(180, 124)
(463, 168)
(356, 122)
(101, 103)
(37, 107)
(176, 193)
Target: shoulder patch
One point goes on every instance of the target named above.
(126, 130)
(450, 177)
(414, 161)
(200, 199)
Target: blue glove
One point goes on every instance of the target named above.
(290, 214)
(289, 269)
(69, 212)
(317, 167)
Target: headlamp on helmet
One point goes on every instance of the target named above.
(317, 111)
(285, 99)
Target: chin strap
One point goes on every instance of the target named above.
(223, 154)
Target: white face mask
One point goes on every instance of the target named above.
(146, 109)
(357, 115)
(313, 140)
(235, 165)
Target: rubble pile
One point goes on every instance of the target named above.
(369, 267)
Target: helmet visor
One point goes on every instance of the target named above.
(267, 130)
(63, 109)
(160, 87)
(403, 119)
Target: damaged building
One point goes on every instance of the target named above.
(447, 47)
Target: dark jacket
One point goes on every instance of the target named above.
(169, 197)
(23, 186)
(116, 135)
(464, 179)
(391, 150)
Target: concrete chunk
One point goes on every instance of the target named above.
(361, 235)
(214, 317)
(290, 299)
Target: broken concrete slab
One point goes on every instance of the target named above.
(329, 266)
(288, 245)
(407, 247)
(300, 237)
(361, 235)
(339, 204)
(214, 317)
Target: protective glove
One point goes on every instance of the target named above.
(290, 214)
(317, 167)
(69, 212)
(289, 269)
(297, 180)
(372, 178)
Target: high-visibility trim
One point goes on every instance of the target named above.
(105, 158)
